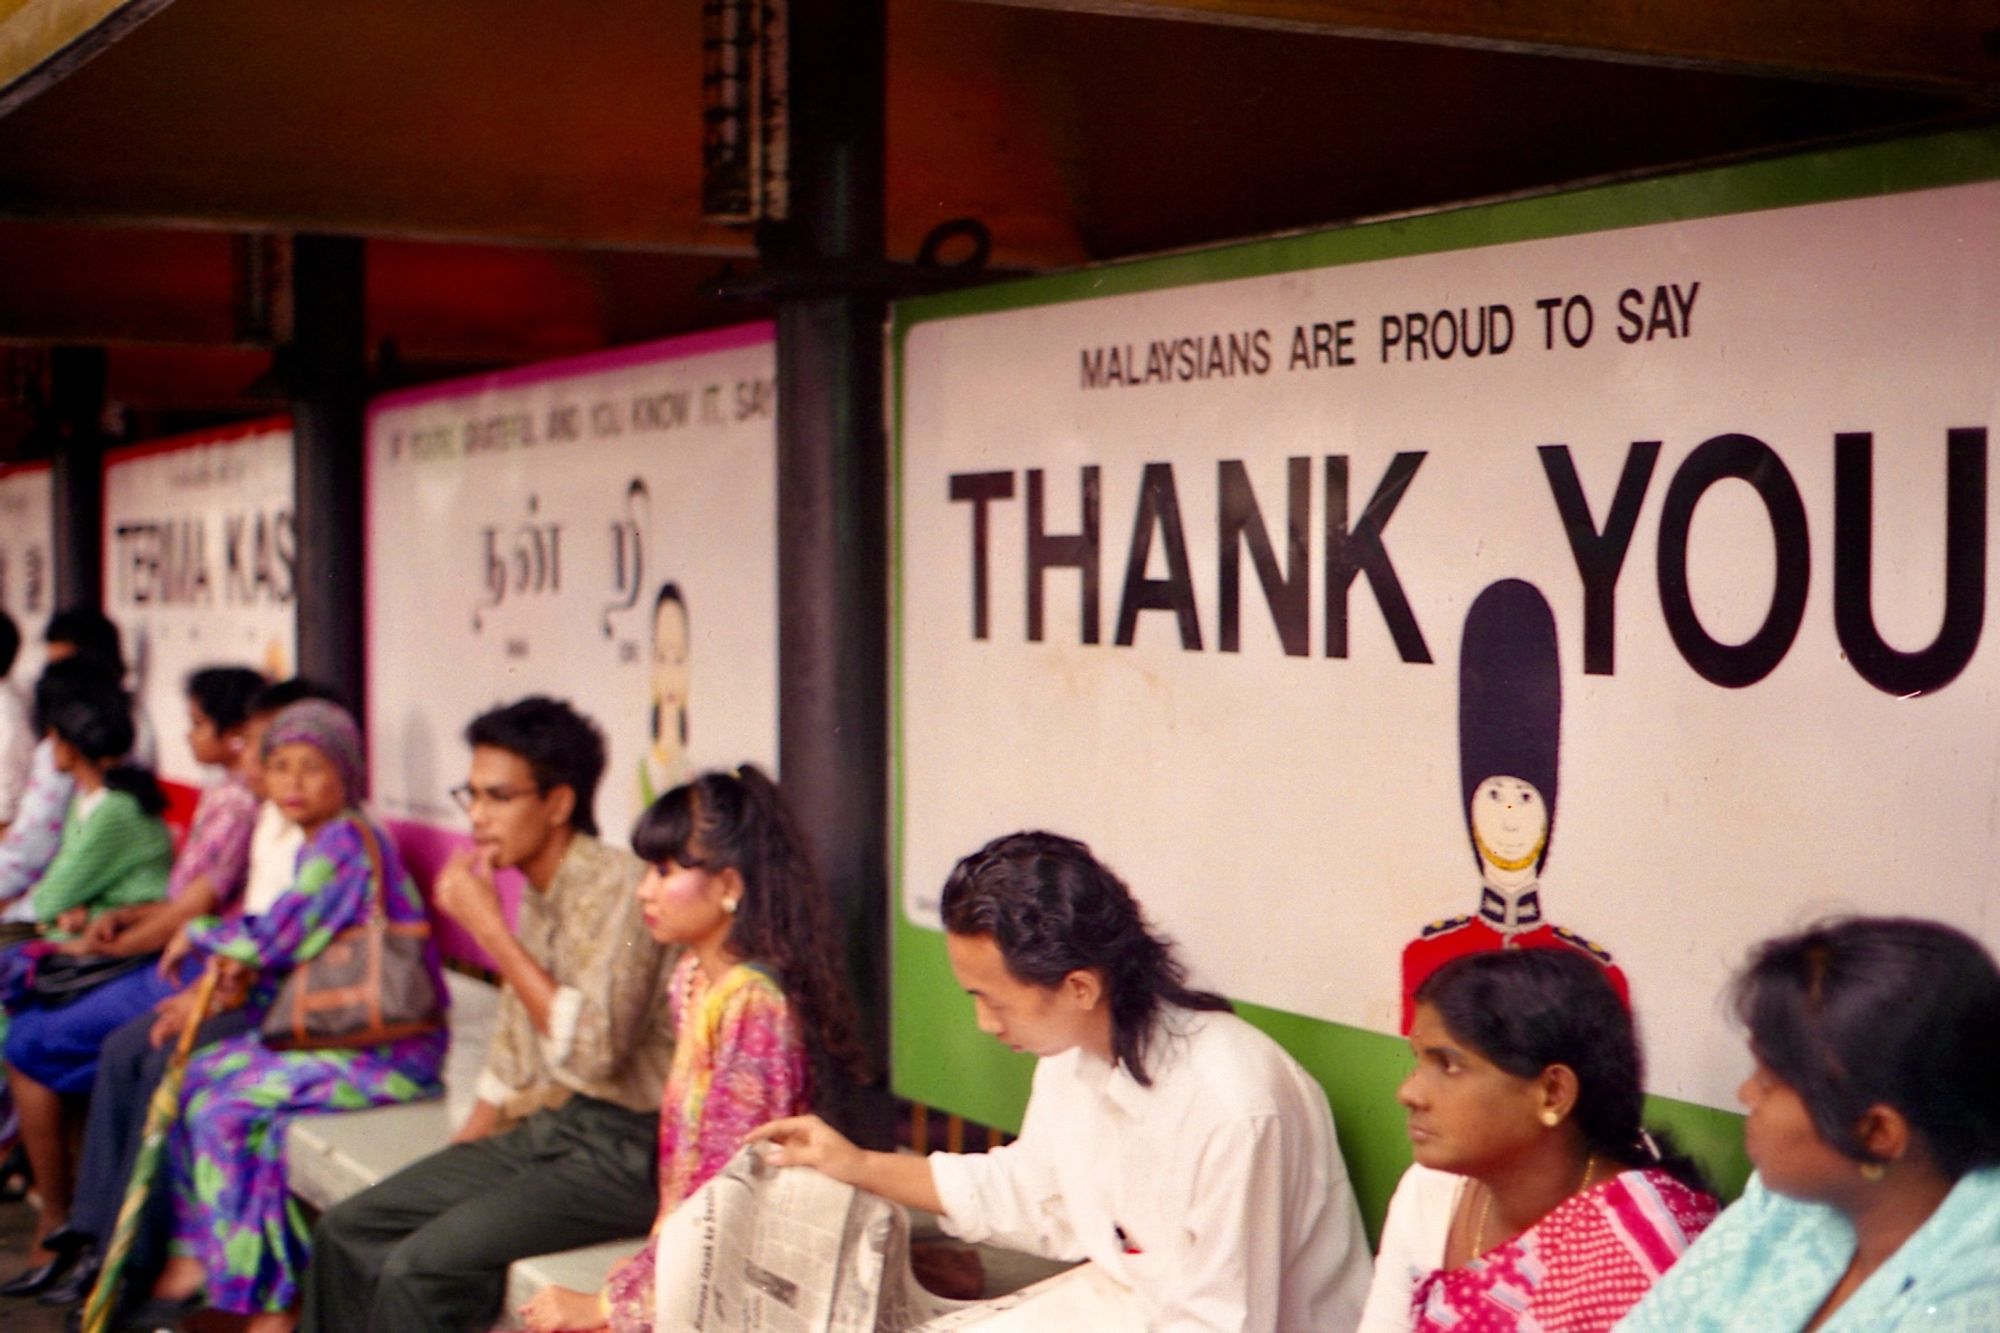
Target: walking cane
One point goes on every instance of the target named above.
(160, 1114)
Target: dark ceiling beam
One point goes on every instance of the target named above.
(1928, 45)
(44, 41)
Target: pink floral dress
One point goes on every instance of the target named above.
(739, 1060)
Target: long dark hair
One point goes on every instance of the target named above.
(738, 821)
(1053, 909)
(96, 722)
(1527, 1009)
(1861, 1011)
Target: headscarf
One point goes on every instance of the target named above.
(331, 730)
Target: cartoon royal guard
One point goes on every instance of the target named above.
(1509, 736)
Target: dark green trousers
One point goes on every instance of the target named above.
(428, 1248)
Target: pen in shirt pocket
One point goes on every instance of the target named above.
(1125, 1241)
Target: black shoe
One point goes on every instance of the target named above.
(40, 1278)
(155, 1315)
(67, 1239)
(75, 1284)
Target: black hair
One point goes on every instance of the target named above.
(563, 748)
(1053, 909)
(90, 631)
(1862, 1011)
(1527, 1009)
(10, 642)
(225, 693)
(97, 721)
(670, 592)
(282, 694)
(739, 821)
(67, 679)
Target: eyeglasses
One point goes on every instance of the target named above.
(468, 795)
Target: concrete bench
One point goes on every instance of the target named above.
(329, 1157)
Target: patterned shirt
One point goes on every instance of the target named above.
(218, 842)
(1578, 1269)
(17, 749)
(1768, 1264)
(36, 832)
(610, 1035)
(739, 1060)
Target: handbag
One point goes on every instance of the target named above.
(40, 975)
(62, 977)
(369, 985)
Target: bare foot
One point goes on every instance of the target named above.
(180, 1279)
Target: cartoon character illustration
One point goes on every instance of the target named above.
(664, 766)
(1509, 738)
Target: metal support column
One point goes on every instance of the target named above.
(75, 427)
(324, 370)
(832, 501)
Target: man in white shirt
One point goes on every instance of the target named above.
(1166, 1140)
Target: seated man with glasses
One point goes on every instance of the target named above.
(559, 1149)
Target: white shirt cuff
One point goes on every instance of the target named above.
(565, 1011)
(958, 1197)
(492, 1090)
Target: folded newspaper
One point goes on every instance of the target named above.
(764, 1249)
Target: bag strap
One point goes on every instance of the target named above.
(378, 880)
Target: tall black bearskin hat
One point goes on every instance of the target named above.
(1509, 695)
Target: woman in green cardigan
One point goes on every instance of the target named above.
(115, 852)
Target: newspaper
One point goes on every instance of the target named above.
(764, 1249)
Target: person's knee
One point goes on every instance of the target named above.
(425, 1254)
(343, 1225)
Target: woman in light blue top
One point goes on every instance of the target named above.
(1874, 1126)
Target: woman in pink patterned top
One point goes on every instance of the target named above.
(1538, 1200)
(754, 998)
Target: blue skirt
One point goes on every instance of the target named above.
(58, 1047)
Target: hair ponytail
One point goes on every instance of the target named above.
(739, 821)
(138, 783)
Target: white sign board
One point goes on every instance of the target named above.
(200, 552)
(1185, 572)
(27, 564)
(602, 530)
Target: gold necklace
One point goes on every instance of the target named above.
(1486, 1205)
(1508, 864)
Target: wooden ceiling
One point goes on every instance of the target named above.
(529, 173)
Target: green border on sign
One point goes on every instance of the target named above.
(937, 1056)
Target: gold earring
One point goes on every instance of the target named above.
(1874, 1170)
(729, 904)
(1551, 1117)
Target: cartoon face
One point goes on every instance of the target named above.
(670, 672)
(1510, 821)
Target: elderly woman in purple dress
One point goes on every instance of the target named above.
(238, 1243)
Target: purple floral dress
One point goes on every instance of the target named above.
(739, 1060)
(232, 1210)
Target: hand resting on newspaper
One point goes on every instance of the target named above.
(807, 1140)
